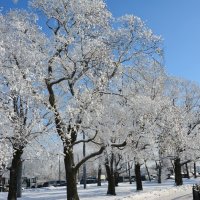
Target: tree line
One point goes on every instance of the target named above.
(88, 72)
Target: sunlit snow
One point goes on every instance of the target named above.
(125, 191)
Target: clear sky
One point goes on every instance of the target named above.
(177, 21)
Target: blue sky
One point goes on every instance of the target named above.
(177, 21)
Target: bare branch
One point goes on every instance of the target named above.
(119, 145)
(58, 81)
(89, 156)
(88, 140)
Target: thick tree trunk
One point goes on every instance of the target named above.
(116, 174)
(110, 176)
(19, 180)
(138, 177)
(159, 169)
(195, 170)
(99, 176)
(177, 170)
(72, 193)
(111, 186)
(12, 193)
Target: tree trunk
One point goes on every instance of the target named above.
(99, 176)
(147, 170)
(159, 169)
(116, 175)
(110, 176)
(177, 170)
(72, 193)
(138, 177)
(111, 182)
(129, 173)
(1, 183)
(12, 193)
(195, 170)
(187, 171)
(19, 180)
(84, 164)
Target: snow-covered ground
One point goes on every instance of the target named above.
(125, 191)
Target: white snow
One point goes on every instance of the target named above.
(125, 191)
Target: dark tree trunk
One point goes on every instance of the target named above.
(1, 183)
(84, 164)
(19, 180)
(159, 169)
(84, 176)
(72, 193)
(177, 170)
(138, 178)
(12, 193)
(116, 174)
(187, 170)
(195, 170)
(110, 176)
(99, 176)
(147, 170)
(111, 183)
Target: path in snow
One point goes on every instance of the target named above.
(184, 197)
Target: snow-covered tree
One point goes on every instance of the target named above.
(143, 87)
(87, 50)
(21, 44)
(179, 123)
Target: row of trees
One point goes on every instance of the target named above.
(96, 75)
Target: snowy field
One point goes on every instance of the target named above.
(125, 191)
